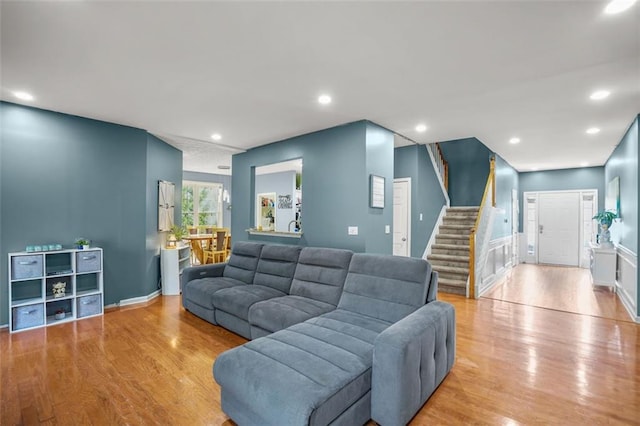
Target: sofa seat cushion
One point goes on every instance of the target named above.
(309, 373)
(237, 300)
(201, 291)
(282, 312)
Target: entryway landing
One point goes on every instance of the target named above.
(559, 288)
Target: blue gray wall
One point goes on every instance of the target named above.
(225, 180)
(63, 177)
(335, 191)
(562, 180)
(506, 181)
(164, 162)
(426, 194)
(379, 162)
(623, 163)
(282, 183)
(469, 166)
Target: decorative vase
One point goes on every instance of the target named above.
(605, 234)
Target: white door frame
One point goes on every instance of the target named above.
(533, 258)
(408, 181)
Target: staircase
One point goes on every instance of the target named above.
(450, 252)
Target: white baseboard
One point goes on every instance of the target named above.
(141, 299)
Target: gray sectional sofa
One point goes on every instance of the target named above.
(338, 338)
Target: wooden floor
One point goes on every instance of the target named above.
(515, 364)
(561, 288)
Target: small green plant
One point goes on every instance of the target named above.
(178, 231)
(605, 217)
(82, 242)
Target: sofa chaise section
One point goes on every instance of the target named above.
(319, 372)
(273, 276)
(316, 289)
(200, 283)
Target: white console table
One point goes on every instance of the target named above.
(603, 265)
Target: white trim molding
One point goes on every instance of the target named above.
(434, 233)
(141, 299)
(627, 280)
(499, 263)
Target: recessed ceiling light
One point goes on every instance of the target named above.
(23, 95)
(324, 99)
(216, 136)
(599, 95)
(593, 130)
(224, 167)
(617, 6)
(421, 128)
(584, 164)
(514, 140)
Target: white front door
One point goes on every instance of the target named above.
(558, 228)
(401, 217)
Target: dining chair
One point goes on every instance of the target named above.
(227, 246)
(193, 230)
(218, 252)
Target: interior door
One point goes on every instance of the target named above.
(401, 218)
(559, 228)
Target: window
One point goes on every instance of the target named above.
(201, 204)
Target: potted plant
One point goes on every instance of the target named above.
(177, 231)
(175, 235)
(605, 219)
(82, 243)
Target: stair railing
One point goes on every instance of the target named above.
(441, 166)
(481, 232)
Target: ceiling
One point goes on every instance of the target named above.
(252, 71)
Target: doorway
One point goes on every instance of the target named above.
(402, 217)
(558, 226)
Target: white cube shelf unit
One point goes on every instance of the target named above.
(34, 281)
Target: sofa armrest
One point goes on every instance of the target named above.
(202, 271)
(410, 360)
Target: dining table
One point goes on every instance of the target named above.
(198, 243)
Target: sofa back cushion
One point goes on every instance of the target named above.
(385, 287)
(276, 266)
(320, 274)
(243, 261)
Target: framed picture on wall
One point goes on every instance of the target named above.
(166, 205)
(612, 198)
(377, 192)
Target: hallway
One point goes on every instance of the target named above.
(559, 288)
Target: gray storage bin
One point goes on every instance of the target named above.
(24, 267)
(89, 305)
(27, 316)
(88, 261)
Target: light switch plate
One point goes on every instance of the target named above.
(352, 230)
(387, 229)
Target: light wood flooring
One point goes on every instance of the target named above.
(561, 288)
(515, 364)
